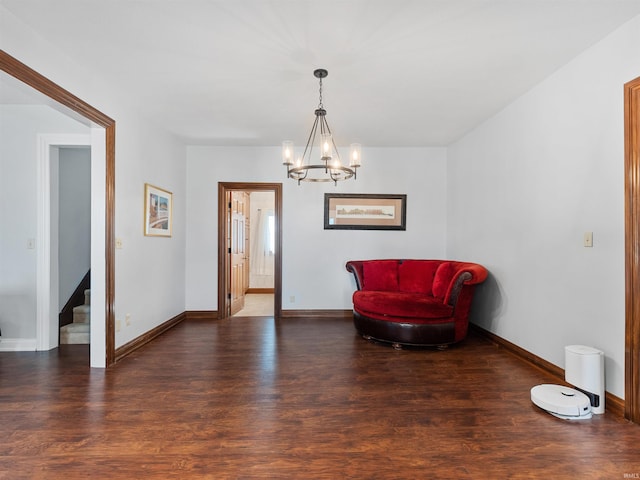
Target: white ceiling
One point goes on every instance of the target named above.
(401, 72)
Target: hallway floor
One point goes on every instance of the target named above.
(257, 305)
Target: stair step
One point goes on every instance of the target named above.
(75, 333)
(82, 314)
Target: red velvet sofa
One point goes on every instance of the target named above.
(414, 302)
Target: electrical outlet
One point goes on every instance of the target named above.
(292, 299)
(118, 325)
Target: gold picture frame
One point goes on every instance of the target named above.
(158, 211)
(348, 211)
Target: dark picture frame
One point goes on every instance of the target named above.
(358, 211)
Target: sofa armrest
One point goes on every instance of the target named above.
(478, 272)
(456, 287)
(355, 267)
(466, 274)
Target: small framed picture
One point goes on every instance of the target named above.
(349, 211)
(158, 211)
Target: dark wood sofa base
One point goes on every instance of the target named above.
(410, 334)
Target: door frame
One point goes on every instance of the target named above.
(106, 151)
(224, 188)
(632, 249)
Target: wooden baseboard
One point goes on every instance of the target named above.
(260, 290)
(207, 315)
(613, 404)
(201, 314)
(145, 338)
(213, 314)
(317, 313)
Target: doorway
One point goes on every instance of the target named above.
(234, 247)
(63, 242)
(252, 240)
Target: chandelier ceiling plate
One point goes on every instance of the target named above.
(320, 73)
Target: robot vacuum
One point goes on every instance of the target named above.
(562, 402)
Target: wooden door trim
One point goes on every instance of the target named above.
(632, 249)
(223, 262)
(39, 82)
(224, 197)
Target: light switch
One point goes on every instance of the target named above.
(118, 243)
(588, 239)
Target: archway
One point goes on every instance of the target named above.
(94, 117)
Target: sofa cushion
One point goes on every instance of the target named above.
(416, 276)
(380, 275)
(442, 280)
(400, 304)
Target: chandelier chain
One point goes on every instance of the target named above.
(320, 104)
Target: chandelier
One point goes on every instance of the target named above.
(329, 166)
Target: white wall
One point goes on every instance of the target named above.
(313, 258)
(19, 129)
(149, 276)
(525, 186)
(150, 271)
(74, 220)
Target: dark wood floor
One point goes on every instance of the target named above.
(308, 398)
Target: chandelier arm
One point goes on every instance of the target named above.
(335, 148)
(311, 143)
(336, 173)
(323, 122)
(302, 178)
(310, 140)
(326, 125)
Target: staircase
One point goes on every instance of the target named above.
(79, 330)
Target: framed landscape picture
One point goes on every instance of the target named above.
(349, 211)
(158, 211)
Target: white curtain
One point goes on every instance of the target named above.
(262, 255)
